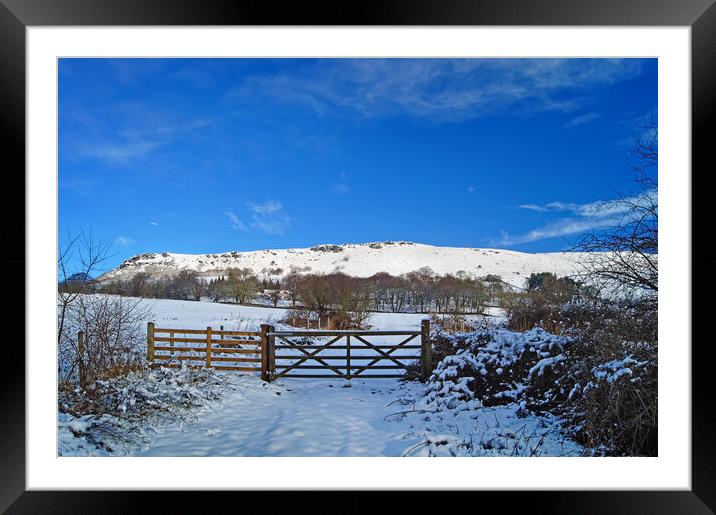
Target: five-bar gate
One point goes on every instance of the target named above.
(298, 354)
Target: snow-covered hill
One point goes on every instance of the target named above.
(360, 260)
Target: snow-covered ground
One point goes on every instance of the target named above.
(374, 417)
(320, 417)
(359, 260)
(296, 417)
(198, 315)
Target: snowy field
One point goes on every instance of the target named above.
(198, 315)
(321, 417)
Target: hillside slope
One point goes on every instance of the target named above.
(360, 260)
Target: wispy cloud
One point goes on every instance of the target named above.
(269, 217)
(440, 89)
(118, 152)
(581, 120)
(154, 224)
(471, 189)
(236, 223)
(600, 208)
(137, 130)
(124, 241)
(341, 187)
(588, 216)
(563, 227)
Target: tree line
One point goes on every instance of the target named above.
(420, 291)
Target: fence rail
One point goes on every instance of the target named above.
(355, 355)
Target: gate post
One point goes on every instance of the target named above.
(271, 353)
(425, 351)
(150, 342)
(264, 353)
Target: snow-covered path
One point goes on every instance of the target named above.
(297, 417)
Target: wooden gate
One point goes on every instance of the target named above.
(347, 354)
(219, 349)
(276, 354)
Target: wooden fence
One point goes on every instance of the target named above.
(219, 349)
(276, 354)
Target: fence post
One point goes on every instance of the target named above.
(208, 347)
(81, 357)
(425, 351)
(150, 342)
(271, 354)
(264, 353)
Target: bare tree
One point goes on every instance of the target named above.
(316, 294)
(79, 258)
(274, 296)
(291, 283)
(139, 284)
(624, 257)
(198, 287)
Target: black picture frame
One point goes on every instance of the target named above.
(17, 15)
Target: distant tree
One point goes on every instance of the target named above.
(421, 287)
(275, 296)
(241, 284)
(291, 283)
(316, 294)
(536, 280)
(139, 285)
(198, 287)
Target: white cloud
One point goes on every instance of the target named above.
(600, 208)
(441, 89)
(563, 227)
(124, 241)
(588, 216)
(154, 224)
(236, 224)
(269, 217)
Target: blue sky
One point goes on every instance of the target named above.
(210, 155)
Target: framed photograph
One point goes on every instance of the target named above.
(413, 248)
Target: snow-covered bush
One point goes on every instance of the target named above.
(600, 378)
(612, 403)
(497, 366)
(120, 413)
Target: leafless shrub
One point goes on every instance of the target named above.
(452, 322)
(114, 338)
